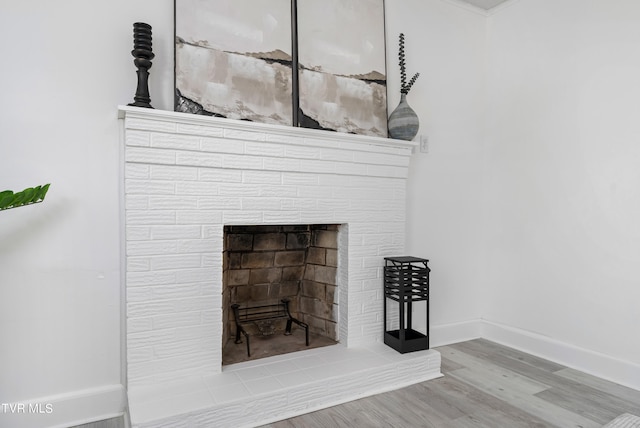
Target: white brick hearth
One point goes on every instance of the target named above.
(185, 178)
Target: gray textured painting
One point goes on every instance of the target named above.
(233, 59)
(341, 47)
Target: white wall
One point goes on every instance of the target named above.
(563, 182)
(528, 200)
(446, 44)
(66, 66)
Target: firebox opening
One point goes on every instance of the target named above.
(264, 264)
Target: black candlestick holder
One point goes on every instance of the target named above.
(143, 56)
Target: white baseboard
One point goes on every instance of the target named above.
(65, 410)
(594, 363)
(446, 334)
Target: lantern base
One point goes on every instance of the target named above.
(413, 341)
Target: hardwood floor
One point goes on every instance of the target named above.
(486, 385)
(107, 423)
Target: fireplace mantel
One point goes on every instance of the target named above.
(186, 177)
(230, 128)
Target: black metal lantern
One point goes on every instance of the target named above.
(406, 281)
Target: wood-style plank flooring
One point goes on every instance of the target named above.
(107, 423)
(486, 385)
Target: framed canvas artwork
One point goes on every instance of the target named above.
(310, 63)
(342, 69)
(233, 59)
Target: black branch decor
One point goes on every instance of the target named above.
(404, 86)
(403, 122)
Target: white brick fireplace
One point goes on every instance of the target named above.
(185, 178)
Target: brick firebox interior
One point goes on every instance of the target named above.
(263, 264)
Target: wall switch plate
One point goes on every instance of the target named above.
(424, 144)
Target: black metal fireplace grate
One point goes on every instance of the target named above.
(262, 316)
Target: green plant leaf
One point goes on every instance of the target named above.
(43, 191)
(15, 200)
(30, 195)
(27, 195)
(36, 192)
(6, 198)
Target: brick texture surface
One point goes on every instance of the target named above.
(186, 177)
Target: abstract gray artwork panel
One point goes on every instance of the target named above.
(341, 47)
(233, 59)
